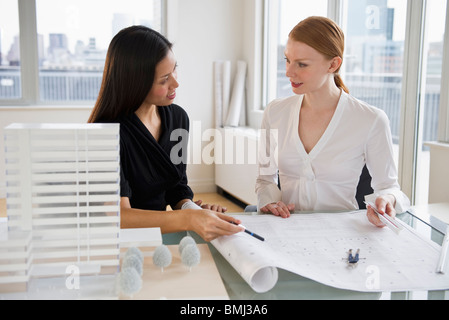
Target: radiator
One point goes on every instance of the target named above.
(439, 173)
(236, 162)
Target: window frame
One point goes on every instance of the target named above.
(443, 128)
(412, 86)
(411, 99)
(270, 28)
(269, 50)
(28, 52)
(29, 64)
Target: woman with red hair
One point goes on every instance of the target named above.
(324, 136)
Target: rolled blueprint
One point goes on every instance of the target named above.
(226, 85)
(251, 260)
(222, 87)
(218, 93)
(238, 94)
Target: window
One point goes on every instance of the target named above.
(431, 87)
(374, 55)
(282, 16)
(10, 81)
(393, 60)
(71, 45)
(373, 61)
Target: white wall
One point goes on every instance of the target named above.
(202, 31)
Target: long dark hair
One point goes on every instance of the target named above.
(129, 72)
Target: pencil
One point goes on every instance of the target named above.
(255, 235)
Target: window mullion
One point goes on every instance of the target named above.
(443, 129)
(271, 30)
(29, 51)
(410, 102)
(334, 10)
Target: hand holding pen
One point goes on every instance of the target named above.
(255, 235)
(386, 219)
(210, 225)
(385, 206)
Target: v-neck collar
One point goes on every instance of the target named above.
(333, 124)
(162, 129)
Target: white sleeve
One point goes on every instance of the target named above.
(381, 165)
(267, 181)
(190, 205)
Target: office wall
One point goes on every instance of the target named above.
(202, 31)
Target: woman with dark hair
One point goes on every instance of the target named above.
(138, 89)
(325, 136)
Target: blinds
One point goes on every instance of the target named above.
(62, 183)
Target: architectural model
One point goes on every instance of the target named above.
(62, 183)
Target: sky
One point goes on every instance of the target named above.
(79, 19)
(294, 11)
(83, 19)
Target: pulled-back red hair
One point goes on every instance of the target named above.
(325, 36)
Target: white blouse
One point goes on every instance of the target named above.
(327, 177)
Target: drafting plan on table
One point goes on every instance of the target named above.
(316, 246)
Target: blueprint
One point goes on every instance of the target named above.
(316, 246)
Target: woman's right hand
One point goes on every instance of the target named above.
(210, 225)
(279, 209)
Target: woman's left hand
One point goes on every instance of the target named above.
(212, 207)
(385, 205)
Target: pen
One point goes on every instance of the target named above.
(385, 218)
(443, 253)
(255, 235)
